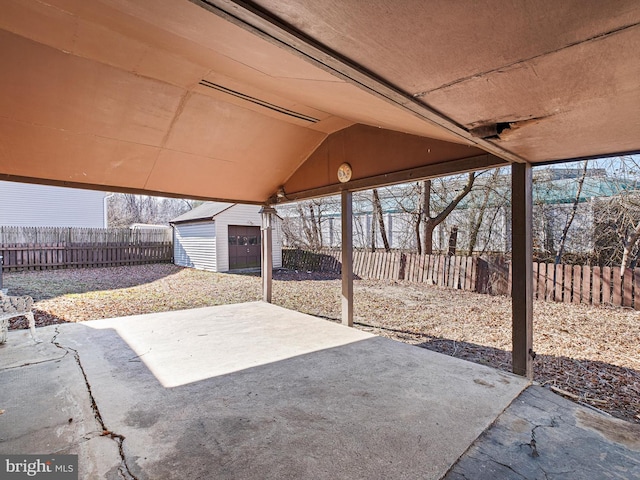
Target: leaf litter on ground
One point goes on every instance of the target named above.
(588, 354)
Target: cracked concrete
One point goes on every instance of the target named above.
(47, 408)
(249, 391)
(544, 436)
(124, 471)
(256, 391)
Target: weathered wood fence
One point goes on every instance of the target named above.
(82, 247)
(448, 271)
(50, 256)
(555, 283)
(588, 285)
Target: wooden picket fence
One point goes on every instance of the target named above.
(43, 248)
(587, 285)
(83, 236)
(62, 255)
(579, 284)
(458, 272)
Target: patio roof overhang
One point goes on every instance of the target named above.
(233, 100)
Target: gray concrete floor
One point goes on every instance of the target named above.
(544, 436)
(254, 391)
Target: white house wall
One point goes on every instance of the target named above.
(194, 245)
(277, 243)
(245, 215)
(30, 205)
(553, 218)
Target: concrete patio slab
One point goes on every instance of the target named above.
(47, 406)
(256, 391)
(243, 391)
(544, 436)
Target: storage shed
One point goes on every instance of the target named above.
(219, 237)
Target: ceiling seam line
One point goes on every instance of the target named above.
(165, 138)
(407, 102)
(525, 60)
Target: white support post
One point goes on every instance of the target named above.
(266, 252)
(347, 258)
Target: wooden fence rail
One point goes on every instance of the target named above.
(587, 285)
(63, 255)
(448, 271)
(82, 236)
(580, 284)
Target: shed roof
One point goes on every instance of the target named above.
(236, 101)
(206, 211)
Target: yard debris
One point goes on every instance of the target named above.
(577, 398)
(589, 354)
(564, 393)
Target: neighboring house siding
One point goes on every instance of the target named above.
(277, 242)
(195, 245)
(30, 205)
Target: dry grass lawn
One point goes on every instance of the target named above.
(590, 354)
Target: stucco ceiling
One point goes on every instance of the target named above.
(232, 100)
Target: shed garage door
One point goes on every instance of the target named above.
(244, 247)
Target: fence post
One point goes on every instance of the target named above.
(482, 276)
(403, 265)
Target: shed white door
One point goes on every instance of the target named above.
(195, 246)
(244, 247)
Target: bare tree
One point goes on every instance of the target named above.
(419, 200)
(629, 242)
(572, 215)
(424, 213)
(309, 225)
(617, 217)
(124, 209)
(431, 222)
(407, 200)
(378, 213)
(374, 215)
(305, 223)
(488, 189)
(601, 222)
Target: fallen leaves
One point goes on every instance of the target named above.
(590, 353)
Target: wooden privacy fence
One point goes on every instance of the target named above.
(62, 255)
(448, 271)
(39, 248)
(571, 283)
(83, 236)
(554, 283)
(587, 285)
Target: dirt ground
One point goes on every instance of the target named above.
(591, 355)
